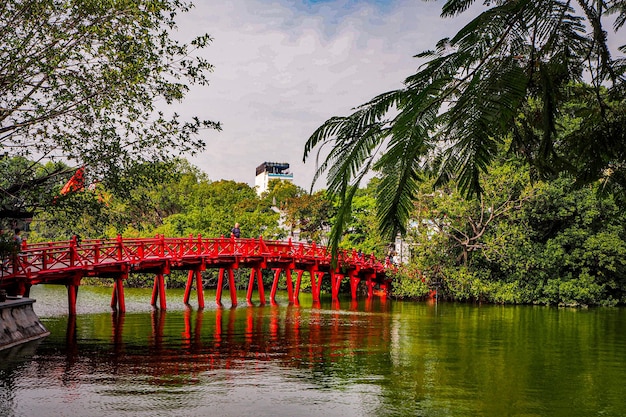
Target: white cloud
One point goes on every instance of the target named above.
(282, 70)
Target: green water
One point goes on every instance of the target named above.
(348, 359)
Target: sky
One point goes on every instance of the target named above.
(283, 67)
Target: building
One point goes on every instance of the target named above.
(271, 171)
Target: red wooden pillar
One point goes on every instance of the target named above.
(199, 288)
(25, 289)
(354, 283)
(259, 281)
(158, 291)
(232, 287)
(114, 296)
(316, 283)
(296, 292)
(118, 302)
(155, 292)
(162, 301)
(188, 286)
(250, 287)
(335, 280)
(21, 288)
(220, 285)
(289, 285)
(255, 271)
(277, 272)
(72, 291)
(314, 293)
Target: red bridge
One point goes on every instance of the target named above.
(67, 262)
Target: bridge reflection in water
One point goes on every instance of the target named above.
(181, 344)
(68, 262)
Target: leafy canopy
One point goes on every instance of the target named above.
(90, 82)
(472, 93)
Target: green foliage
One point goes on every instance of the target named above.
(184, 203)
(279, 192)
(360, 232)
(553, 243)
(82, 82)
(311, 215)
(409, 283)
(509, 76)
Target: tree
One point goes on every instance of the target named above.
(359, 233)
(279, 191)
(212, 208)
(507, 73)
(309, 214)
(552, 242)
(92, 84)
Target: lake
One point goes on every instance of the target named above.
(365, 358)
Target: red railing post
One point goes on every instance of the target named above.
(73, 252)
(96, 253)
(44, 258)
(120, 248)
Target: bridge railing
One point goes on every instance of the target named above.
(39, 257)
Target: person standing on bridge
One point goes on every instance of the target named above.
(236, 232)
(18, 238)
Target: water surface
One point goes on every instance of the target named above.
(369, 358)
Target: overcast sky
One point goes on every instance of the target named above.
(283, 67)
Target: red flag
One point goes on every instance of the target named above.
(76, 183)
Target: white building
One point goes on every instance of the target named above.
(271, 171)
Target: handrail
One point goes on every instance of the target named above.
(73, 255)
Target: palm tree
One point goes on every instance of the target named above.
(506, 74)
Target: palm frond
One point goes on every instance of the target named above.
(619, 8)
(400, 172)
(455, 7)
